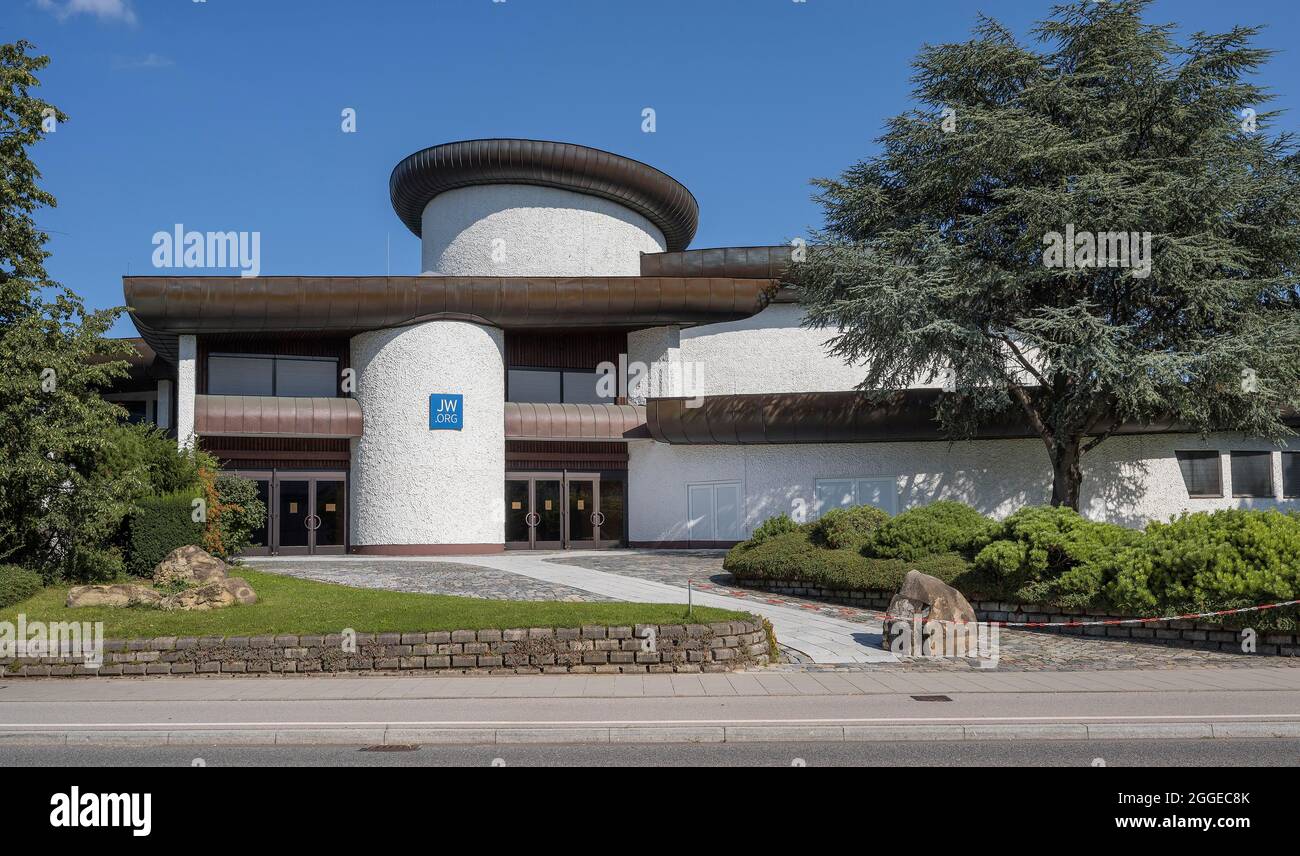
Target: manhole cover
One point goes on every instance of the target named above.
(930, 698)
(391, 747)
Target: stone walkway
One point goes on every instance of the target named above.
(816, 636)
(424, 576)
(820, 636)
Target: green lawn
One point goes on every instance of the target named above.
(293, 606)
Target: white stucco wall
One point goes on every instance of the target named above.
(1128, 480)
(411, 485)
(522, 230)
(770, 352)
(187, 352)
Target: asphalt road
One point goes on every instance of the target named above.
(998, 753)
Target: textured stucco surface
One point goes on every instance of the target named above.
(769, 352)
(187, 351)
(657, 350)
(1128, 480)
(411, 485)
(522, 230)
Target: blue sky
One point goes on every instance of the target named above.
(225, 114)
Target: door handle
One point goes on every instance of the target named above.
(532, 518)
(597, 518)
(307, 521)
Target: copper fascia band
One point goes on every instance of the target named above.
(830, 417)
(271, 416)
(530, 421)
(655, 195)
(166, 306)
(745, 262)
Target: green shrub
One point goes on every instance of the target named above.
(241, 513)
(794, 556)
(1049, 555)
(771, 527)
(95, 565)
(153, 457)
(1198, 562)
(158, 526)
(17, 584)
(848, 528)
(929, 530)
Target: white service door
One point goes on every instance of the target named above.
(726, 507)
(713, 512)
(699, 512)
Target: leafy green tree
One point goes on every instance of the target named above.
(57, 507)
(936, 257)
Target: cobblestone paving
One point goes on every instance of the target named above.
(1020, 650)
(426, 577)
(673, 567)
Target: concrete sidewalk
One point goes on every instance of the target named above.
(823, 638)
(1196, 703)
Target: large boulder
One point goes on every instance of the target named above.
(212, 595)
(189, 565)
(120, 594)
(921, 599)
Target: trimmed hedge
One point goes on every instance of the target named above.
(781, 524)
(1224, 560)
(158, 526)
(848, 528)
(1053, 556)
(794, 556)
(1049, 555)
(928, 530)
(17, 584)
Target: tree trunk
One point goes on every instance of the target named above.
(1067, 473)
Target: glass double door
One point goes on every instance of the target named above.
(306, 512)
(560, 511)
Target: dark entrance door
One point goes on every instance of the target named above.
(306, 512)
(554, 511)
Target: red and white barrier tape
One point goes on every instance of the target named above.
(1113, 621)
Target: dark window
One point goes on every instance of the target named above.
(535, 385)
(1201, 473)
(1252, 474)
(581, 388)
(307, 377)
(552, 386)
(1291, 473)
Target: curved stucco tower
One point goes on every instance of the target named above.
(484, 208)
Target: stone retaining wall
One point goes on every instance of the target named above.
(1186, 634)
(718, 647)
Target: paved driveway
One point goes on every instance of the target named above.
(819, 636)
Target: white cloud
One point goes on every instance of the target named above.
(105, 10)
(152, 60)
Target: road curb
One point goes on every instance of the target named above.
(371, 735)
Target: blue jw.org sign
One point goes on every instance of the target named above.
(446, 412)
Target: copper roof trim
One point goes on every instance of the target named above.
(745, 262)
(164, 306)
(271, 416)
(529, 421)
(827, 417)
(655, 195)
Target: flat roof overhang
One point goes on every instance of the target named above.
(272, 416)
(164, 307)
(834, 417)
(527, 421)
(653, 194)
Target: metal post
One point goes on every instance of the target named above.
(688, 598)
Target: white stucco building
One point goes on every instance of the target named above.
(566, 373)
